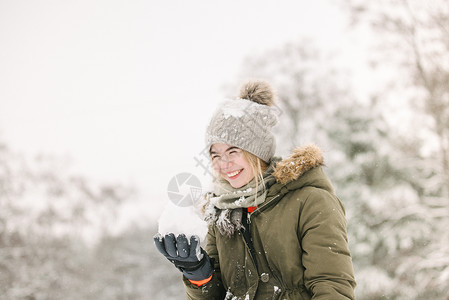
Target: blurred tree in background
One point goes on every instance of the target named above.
(412, 37)
(394, 185)
(57, 239)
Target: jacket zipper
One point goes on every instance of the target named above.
(277, 293)
(247, 227)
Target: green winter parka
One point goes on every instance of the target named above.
(299, 237)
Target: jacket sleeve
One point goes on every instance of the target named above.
(326, 258)
(214, 288)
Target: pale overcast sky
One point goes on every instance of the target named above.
(125, 88)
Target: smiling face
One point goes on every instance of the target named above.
(230, 163)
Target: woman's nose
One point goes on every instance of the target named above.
(225, 163)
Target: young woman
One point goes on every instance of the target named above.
(277, 229)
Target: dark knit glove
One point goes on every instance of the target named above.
(190, 259)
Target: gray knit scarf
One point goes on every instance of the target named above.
(224, 208)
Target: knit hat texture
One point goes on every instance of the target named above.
(246, 122)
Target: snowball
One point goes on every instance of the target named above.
(184, 220)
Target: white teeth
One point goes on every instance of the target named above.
(234, 173)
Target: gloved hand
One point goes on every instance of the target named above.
(191, 259)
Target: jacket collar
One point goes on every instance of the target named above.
(300, 161)
(290, 174)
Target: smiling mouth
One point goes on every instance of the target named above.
(234, 174)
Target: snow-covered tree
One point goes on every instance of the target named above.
(48, 221)
(411, 37)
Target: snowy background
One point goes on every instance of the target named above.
(102, 103)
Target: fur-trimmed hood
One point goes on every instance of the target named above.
(300, 161)
(303, 168)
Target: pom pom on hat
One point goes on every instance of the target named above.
(258, 91)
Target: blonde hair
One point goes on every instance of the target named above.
(257, 165)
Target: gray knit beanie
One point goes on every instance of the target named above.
(246, 122)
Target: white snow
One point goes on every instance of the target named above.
(187, 220)
(239, 201)
(235, 108)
